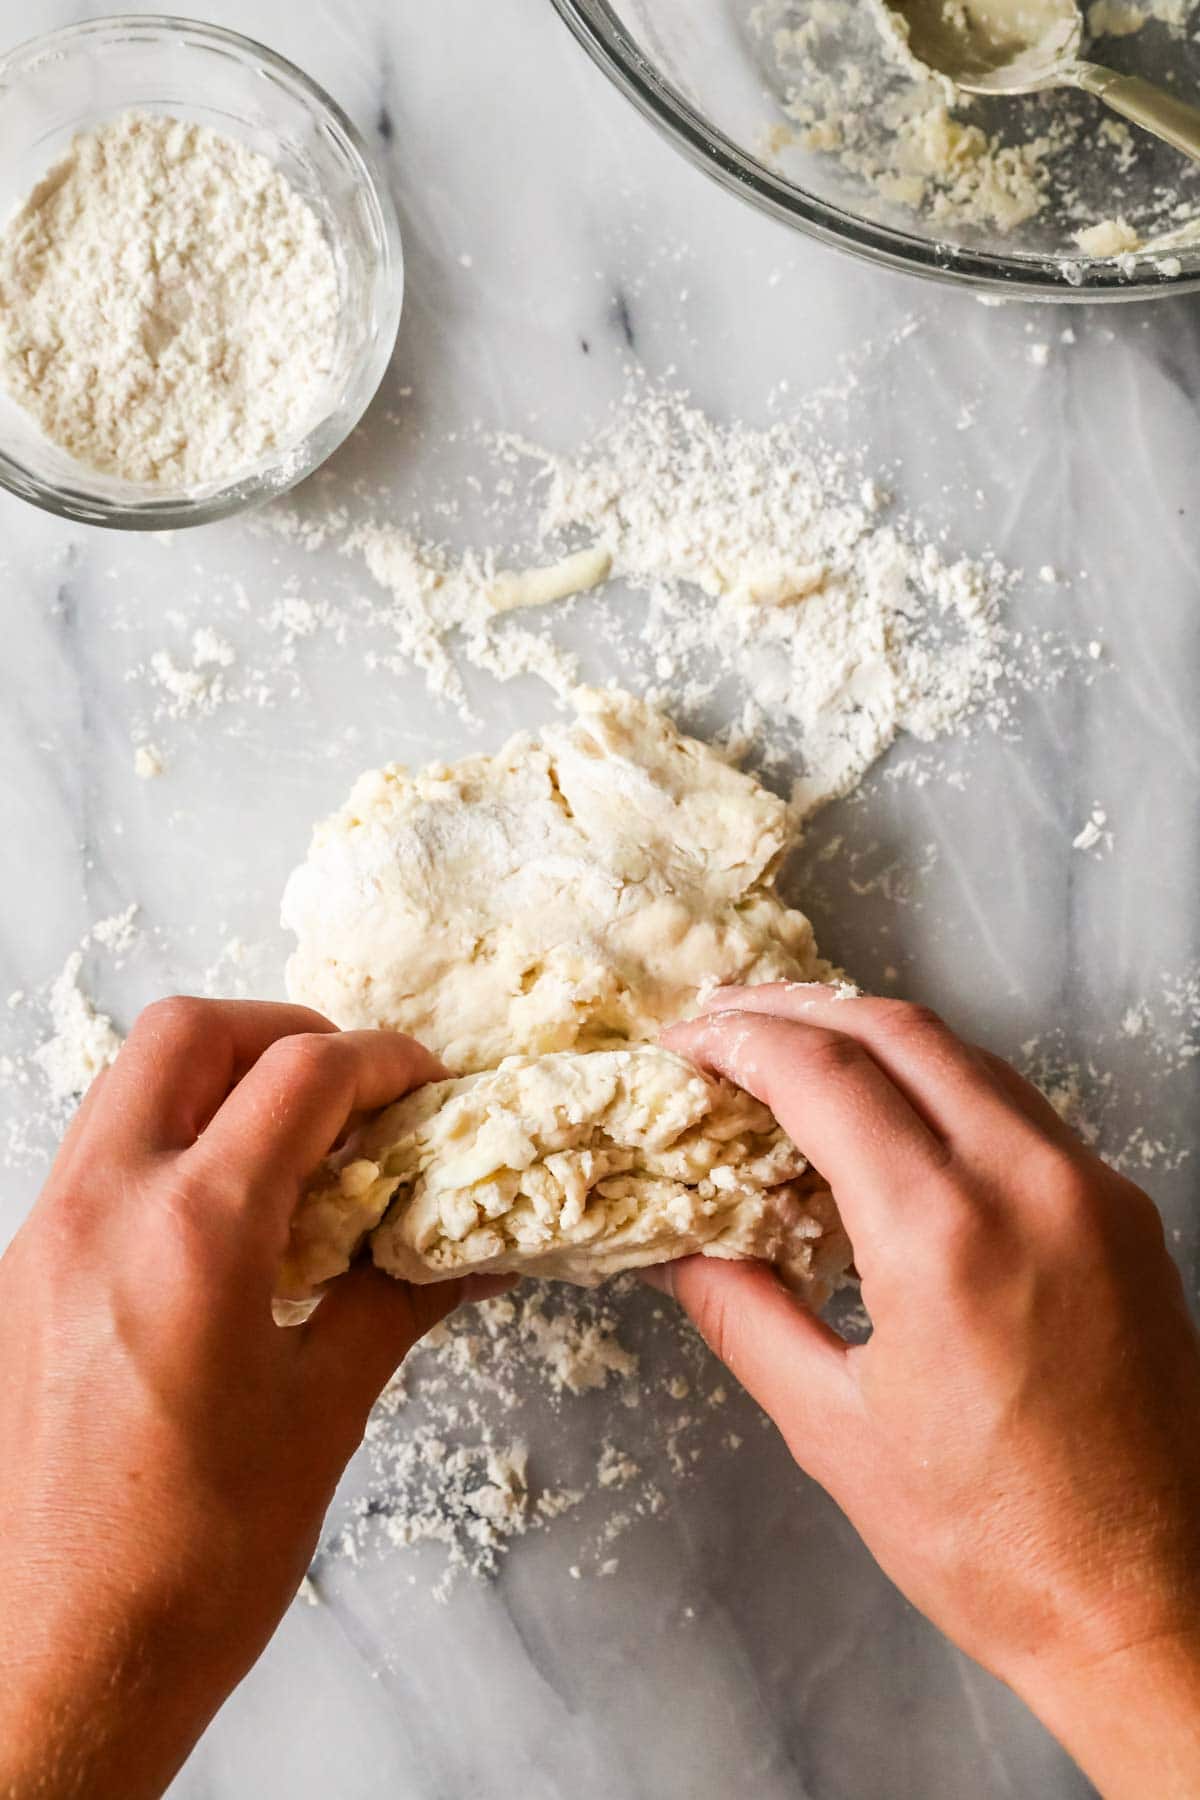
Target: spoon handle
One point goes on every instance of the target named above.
(1176, 121)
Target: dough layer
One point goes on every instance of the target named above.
(571, 1165)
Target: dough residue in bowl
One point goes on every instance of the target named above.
(905, 143)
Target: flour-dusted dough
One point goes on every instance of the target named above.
(562, 900)
(573, 893)
(574, 1166)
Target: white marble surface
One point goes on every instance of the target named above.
(552, 240)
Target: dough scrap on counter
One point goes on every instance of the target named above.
(576, 892)
(574, 1166)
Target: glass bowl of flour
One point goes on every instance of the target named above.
(816, 112)
(200, 273)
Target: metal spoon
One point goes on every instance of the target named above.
(1023, 46)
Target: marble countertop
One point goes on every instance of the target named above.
(744, 1641)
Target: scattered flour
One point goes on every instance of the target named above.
(168, 304)
(760, 556)
(440, 1474)
(44, 1083)
(83, 1041)
(764, 556)
(197, 688)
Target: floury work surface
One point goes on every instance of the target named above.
(706, 1621)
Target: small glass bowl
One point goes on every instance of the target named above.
(72, 80)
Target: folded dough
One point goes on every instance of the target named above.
(574, 1165)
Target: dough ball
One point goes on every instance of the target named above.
(576, 892)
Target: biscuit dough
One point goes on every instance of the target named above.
(535, 917)
(574, 1166)
(576, 892)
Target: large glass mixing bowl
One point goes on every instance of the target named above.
(803, 108)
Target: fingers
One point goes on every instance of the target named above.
(177, 1066)
(913, 1129)
(794, 1366)
(290, 1109)
(367, 1324)
(839, 1107)
(959, 1090)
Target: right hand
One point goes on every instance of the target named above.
(1019, 1441)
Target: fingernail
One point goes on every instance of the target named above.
(660, 1276)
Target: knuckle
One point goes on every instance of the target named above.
(186, 1199)
(908, 1019)
(959, 1237)
(1087, 1200)
(305, 1057)
(833, 1054)
(177, 1016)
(1068, 1194)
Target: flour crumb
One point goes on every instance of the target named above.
(148, 762)
(1093, 832)
(199, 688)
(1108, 238)
(211, 650)
(117, 934)
(615, 1469)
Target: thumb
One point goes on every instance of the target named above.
(793, 1364)
(367, 1324)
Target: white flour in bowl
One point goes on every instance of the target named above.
(168, 304)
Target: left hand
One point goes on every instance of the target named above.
(167, 1453)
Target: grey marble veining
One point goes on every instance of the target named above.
(746, 1642)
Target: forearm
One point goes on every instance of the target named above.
(1132, 1721)
(106, 1713)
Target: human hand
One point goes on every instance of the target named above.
(167, 1453)
(1019, 1441)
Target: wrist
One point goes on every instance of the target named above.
(105, 1699)
(1130, 1718)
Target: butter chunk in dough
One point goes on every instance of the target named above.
(570, 893)
(574, 1166)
